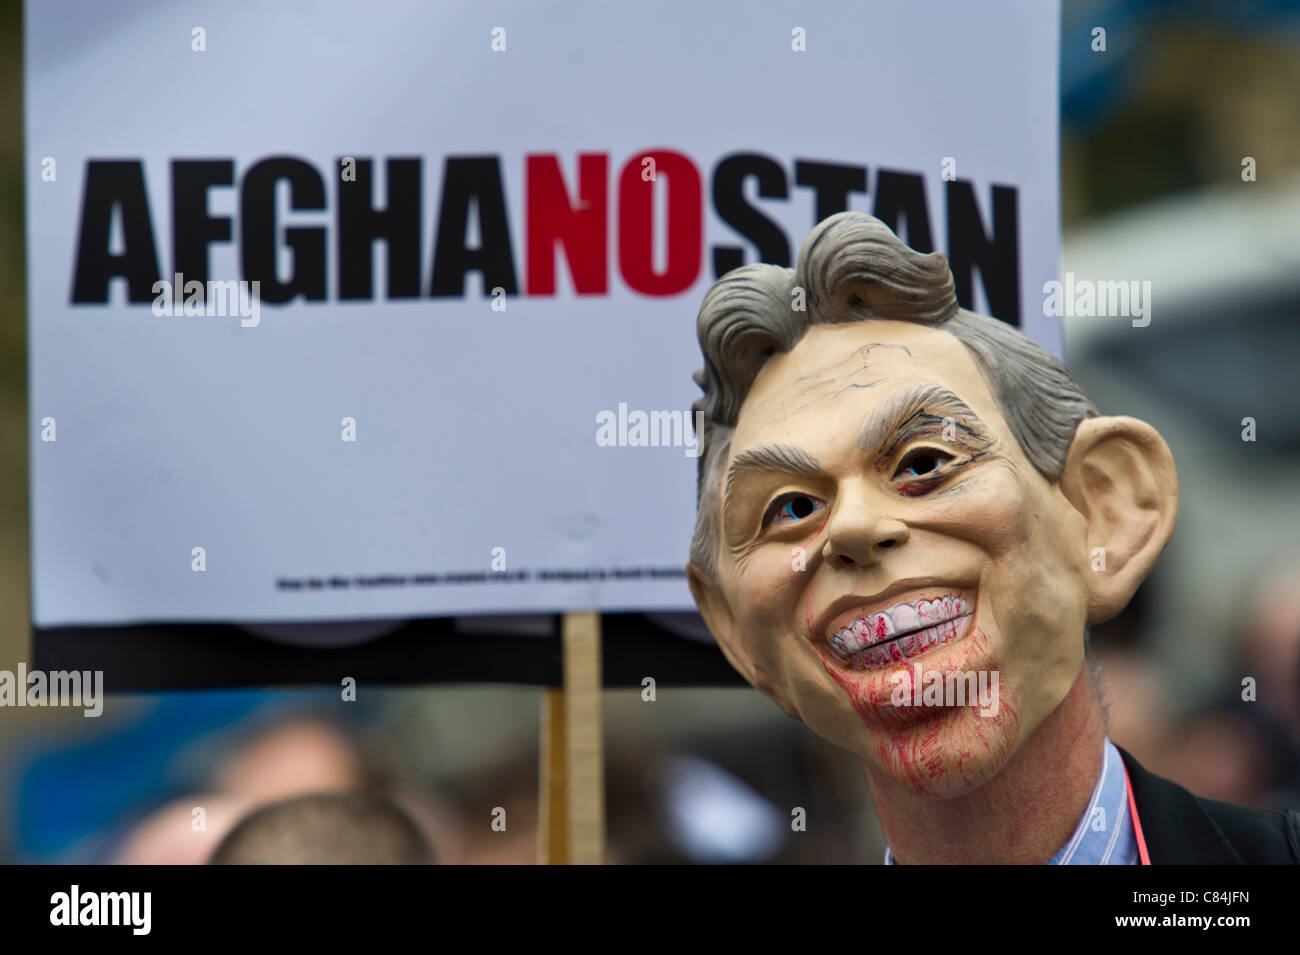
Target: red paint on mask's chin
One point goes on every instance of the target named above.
(936, 749)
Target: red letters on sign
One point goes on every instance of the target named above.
(580, 229)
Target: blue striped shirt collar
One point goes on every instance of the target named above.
(1104, 836)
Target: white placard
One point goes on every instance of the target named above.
(165, 138)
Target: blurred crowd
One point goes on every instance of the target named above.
(451, 774)
(1241, 745)
(447, 775)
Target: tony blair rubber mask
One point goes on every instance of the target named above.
(908, 513)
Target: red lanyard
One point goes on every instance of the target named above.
(1143, 857)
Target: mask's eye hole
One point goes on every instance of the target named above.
(921, 461)
(791, 507)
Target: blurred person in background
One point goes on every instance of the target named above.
(1244, 745)
(349, 828)
(1136, 701)
(293, 758)
(1225, 751)
(1270, 646)
(296, 767)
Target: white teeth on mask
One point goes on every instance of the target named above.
(905, 617)
(925, 611)
(931, 623)
(858, 637)
(843, 640)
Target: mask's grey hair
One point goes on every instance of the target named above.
(852, 268)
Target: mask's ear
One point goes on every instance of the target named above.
(1120, 476)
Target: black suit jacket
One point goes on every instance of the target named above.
(1183, 829)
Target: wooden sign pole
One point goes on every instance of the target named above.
(571, 810)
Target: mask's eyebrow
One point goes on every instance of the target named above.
(924, 399)
(772, 457)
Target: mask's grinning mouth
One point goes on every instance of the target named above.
(902, 632)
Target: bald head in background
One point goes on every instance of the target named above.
(355, 828)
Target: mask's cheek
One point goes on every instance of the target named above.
(995, 510)
(1039, 608)
(765, 592)
(828, 708)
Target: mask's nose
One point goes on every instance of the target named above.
(859, 531)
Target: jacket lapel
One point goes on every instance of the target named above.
(1177, 830)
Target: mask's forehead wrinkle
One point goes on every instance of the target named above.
(812, 385)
